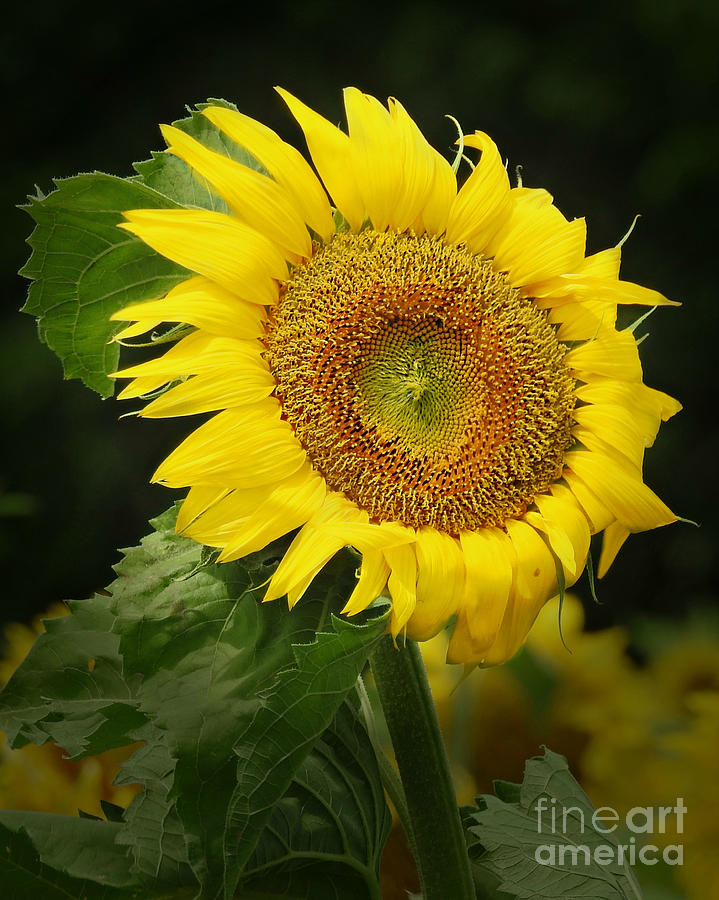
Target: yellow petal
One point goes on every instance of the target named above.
(199, 352)
(371, 583)
(582, 321)
(535, 581)
(225, 250)
(488, 558)
(142, 326)
(313, 546)
(332, 156)
(377, 157)
(536, 242)
(428, 185)
(204, 305)
(142, 387)
(236, 448)
(228, 388)
(483, 203)
(604, 264)
(613, 354)
(620, 489)
(402, 585)
(284, 163)
(197, 502)
(567, 529)
(612, 540)
(596, 512)
(647, 407)
(258, 200)
(215, 524)
(440, 583)
(290, 505)
(613, 425)
(336, 524)
(591, 287)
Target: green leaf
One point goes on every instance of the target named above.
(545, 843)
(226, 676)
(169, 175)
(232, 698)
(70, 688)
(63, 858)
(337, 790)
(153, 831)
(81, 848)
(84, 268)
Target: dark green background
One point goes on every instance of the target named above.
(611, 106)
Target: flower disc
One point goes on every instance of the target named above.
(420, 383)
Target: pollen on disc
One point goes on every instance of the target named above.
(420, 383)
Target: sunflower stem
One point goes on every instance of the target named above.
(437, 836)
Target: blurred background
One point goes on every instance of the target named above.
(612, 108)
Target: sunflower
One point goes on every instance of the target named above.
(427, 372)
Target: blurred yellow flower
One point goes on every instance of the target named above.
(41, 778)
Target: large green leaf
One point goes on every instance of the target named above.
(338, 789)
(169, 175)
(530, 840)
(240, 708)
(225, 676)
(84, 268)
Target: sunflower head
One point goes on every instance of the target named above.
(427, 371)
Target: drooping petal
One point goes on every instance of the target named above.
(402, 585)
(613, 425)
(488, 557)
(220, 247)
(331, 153)
(535, 581)
(596, 512)
(440, 583)
(259, 201)
(372, 581)
(337, 523)
(283, 162)
(567, 530)
(612, 539)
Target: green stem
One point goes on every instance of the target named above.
(439, 845)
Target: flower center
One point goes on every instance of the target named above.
(420, 383)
